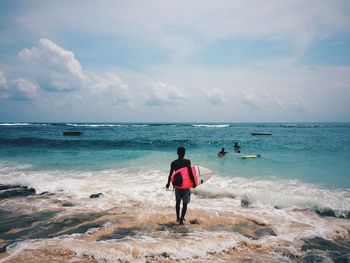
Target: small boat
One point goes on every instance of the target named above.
(260, 133)
(72, 133)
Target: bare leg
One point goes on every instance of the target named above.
(183, 213)
(177, 208)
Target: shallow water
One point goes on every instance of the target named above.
(314, 153)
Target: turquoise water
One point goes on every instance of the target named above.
(300, 187)
(315, 153)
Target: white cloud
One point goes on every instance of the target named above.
(273, 101)
(183, 27)
(4, 91)
(261, 101)
(160, 93)
(250, 100)
(57, 69)
(23, 89)
(215, 96)
(296, 104)
(110, 85)
(3, 81)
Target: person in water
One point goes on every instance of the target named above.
(181, 194)
(237, 148)
(222, 153)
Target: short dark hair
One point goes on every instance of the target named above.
(181, 151)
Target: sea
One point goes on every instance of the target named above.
(100, 196)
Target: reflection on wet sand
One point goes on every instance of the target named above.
(129, 233)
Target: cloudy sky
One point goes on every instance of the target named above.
(146, 61)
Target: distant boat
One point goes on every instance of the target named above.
(260, 133)
(72, 133)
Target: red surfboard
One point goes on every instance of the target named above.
(200, 174)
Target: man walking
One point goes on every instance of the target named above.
(181, 194)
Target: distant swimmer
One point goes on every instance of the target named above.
(237, 148)
(222, 153)
(181, 194)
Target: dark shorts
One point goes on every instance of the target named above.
(183, 194)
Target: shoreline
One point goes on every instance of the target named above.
(126, 215)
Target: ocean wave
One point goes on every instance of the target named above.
(72, 143)
(280, 194)
(105, 125)
(302, 125)
(220, 192)
(345, 125)
(169, 124)
(211, 125)
(93, 125)
(19, 124)
(15, 124)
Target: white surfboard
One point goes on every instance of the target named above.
(250, 156)
(203, 174)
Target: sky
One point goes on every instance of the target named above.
(174, 61)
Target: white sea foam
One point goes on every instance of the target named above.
(211, 125)
(15, 124)
(277, 193)
(143, 190)
(105, 125)
(301, 125)
(93, 125)
(141, 185)
(6, 167)
(109, 251)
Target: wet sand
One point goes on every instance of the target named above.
(135, 231)
(152, 237)
(139, 225)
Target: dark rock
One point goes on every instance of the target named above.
(194, 221)
(46, 193)
(67, 204)
(6, 187)
(46, 225)
(165, 255)
(252, 229)
(331, 213)
(245, 202)
(319, 243)
(342, 259)
(95, 195)
(264, 232)
(314, 258)
(326, 212)
(122, 233)
(318, 248)
(17, 191)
